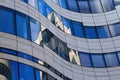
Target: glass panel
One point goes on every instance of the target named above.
(23, 55)
(6, 21)
(35, 31)
(107, 5)
(95, 6)
(41, 7)
(98, 60)
(33, 3)
(83, 6)
(85, 59)
(118, 54)
(22, 26)
(103, 32)
(91, 32)
(8, 51)
(25, 1)
(26, 72)
(115, 29)
(73, 5)
(14, 70)
(38, 75)
(111, 59)
(63, 3)
(78, 29)
(117, 2)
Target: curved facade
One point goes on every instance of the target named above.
(57, 40)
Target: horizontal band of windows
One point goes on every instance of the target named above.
(31, 58)
(20, 71)
(87, 60)
(77, 28)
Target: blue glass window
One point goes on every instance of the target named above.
(14, 70)
(26, 72)
(107, 5)
(23, 55)
(35, 31)
(38, 75)
(73, 5)
(22, 26)
(33, 3)
(111, 60)
(117, 2)
(7, 21)
(41, 7)
(84, 6)
(103, 32)
(48, 10)
(78, 29)
(115, 29)
(8, 51)
(67, 23)
(118, 54)
(63, 3)
(98, 60)
(25, 1)
(95, 6)
(91, 32)
(85, 59)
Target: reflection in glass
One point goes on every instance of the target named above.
(22, 26)
(35, 31)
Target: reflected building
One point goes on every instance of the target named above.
(59, 39)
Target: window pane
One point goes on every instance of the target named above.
(73, 5)
(35, 31)
(103, 32)
(33, 3)
(63, 3)
(91, 32)
(7, 21)
(23, 55)
(38, 75)
(26, 72)
(41, 7)
(83, 6)
(95, 6)
(22, 26)
(111, 59)
(115, 29)
(85, 59)
(25, 1)
(78, 29)
(98, 61)
(107, 5)
(118, 54)
(14, 70)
